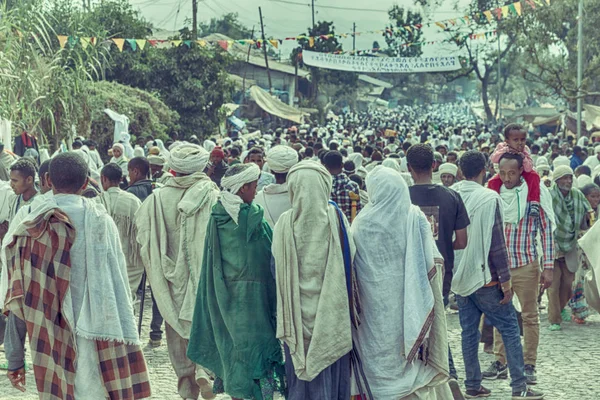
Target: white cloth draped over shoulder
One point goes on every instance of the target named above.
(232, 185)
(400, 291)
(171, 226)
(589, 244)
(471, 267)
(275, 199)
(313, 315)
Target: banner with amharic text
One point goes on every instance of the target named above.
(380, 64)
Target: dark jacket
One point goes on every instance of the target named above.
(219, 172)
(141, 189)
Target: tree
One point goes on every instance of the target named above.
(396, 35)
(227, 25)
(336, 83)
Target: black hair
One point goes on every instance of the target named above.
(256, 150)
(349, 166)
(25, 167)
(584, 169)
(513, 127)
(112, 172)
(68, 172)
(333, 160)
(357, 149)
(357, 179)
(512, 156)
(333, 146)
(234, 152)
(420, 157)
(535, 147)
(406, 145)
(321, 154)
(309, 152)
(44, 168)
(452, 153)
(577, 150)
(344, 152)
(472, 163)
(77, 145)
(369, 150)
(597, 180)
(318, 146)
(589, 188)
(141, 164)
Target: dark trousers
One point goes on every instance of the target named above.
(157, 321)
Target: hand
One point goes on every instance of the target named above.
(17, 379)
(210, 170)
(546, 278)
(508, 293)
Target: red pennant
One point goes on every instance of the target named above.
(223, 44)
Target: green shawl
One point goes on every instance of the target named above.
(569, 212)
(233, 330)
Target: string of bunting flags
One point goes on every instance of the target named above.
(497, 14)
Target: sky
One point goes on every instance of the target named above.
(285, 18)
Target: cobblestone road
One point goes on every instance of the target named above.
(568, 364)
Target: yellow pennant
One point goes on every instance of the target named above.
(141, 43)
(119, 43)
(311, 41)
(176, 43)
(85, 41)
(505, 11)
(518, 7)
(488, 15)
(274, 43)
(62, 40)
(202, 43)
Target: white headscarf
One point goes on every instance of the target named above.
(188, 159)
(281, 159)
(233, 183)
(357, 159)
(209, 145)
(448, 168)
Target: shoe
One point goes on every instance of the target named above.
(154, 343)
(579, 321)
(530, 374)
(565, 315)
(527, 394)
(555, 327)
(455, 388)
(496, 371)
(476, 393)
(206, 389)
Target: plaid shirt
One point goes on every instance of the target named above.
(498, 256)
(521, 239)
(340, 194)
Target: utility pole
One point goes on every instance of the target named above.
(313, 12)
(264, 46)
(499, 79)
(247, 63)
(354, 38)
(579, 66)
(195, 19)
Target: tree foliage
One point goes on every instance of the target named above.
(400, 17)
(228, 25)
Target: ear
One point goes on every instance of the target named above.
(85, 184)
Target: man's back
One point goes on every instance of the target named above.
(340, 194)
(141, 189)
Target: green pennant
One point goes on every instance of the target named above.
(132, 43)
(512, 10)
(72, 41)
(242, 42)
(188, 43)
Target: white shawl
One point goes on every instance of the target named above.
(171, 226)
(400, 291)
(275, 199)
(471, 267)
(313, 315)
(589, 245)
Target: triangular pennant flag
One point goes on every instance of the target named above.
(188, 43)
(201, 43)
(274, 43)
(311, 42)
(517, 6)
(548, 2)
(466, 19)
(531, 4)
(119, 43)
(505, 12)
(452, 21)
(498, 12)
(441, 25)
(72, 41)
(62, 40)
(229, 43)
(488, 15)
(141, 43)
(223, 44)
(418, 26)
(176, 43)
(408, 28)
(242, 42)
(132, 43)
(512, 10)
(153, 43)
(538, 2)
(84, 42)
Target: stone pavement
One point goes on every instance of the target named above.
(568, 366)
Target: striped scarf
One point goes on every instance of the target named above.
(569, 211)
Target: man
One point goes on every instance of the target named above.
(122, 206)
(445, 211)
(171, 226)
(593, 160)
(448, 174)
(397, 276)
(217, 166)
(452, 158)
(63, 250)
(314, 303)
(523, 222)
(6, 160)
(158, 174)
(233, 331)
(274, 198)
(482, 283)
(256, 155)
(576, 158)
(571, 210)
(343, 189)
(438, 160)
(22, 182)
(139, 184)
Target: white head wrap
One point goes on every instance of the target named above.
(138, 152)
(122, 148)
(391, 163)
(448, 168)
(209, 145)
(156, 160)
(561, 160)
(232, 184)
(188, 158)
(561, 171)
(583, 180)
(357, 159)
(281, 159)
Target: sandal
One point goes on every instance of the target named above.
(579, 321)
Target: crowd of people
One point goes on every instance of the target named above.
(314, 261)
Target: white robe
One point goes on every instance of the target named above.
(275, 199)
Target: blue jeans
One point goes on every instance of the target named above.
(504, 317)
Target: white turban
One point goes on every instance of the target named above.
(448, 168)
(391, 163)
(357, 159)
(281, 159)
(138, 152)
(209, 145)
(561, 160)
(156, 160)
(188, 159)
(583, 180)
(561, 171)
(233, 183)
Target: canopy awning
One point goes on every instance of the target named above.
(275, 106)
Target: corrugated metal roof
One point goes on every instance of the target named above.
(375, 81)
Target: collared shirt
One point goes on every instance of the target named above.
(498, 256)
(340, 194)
(521, 239)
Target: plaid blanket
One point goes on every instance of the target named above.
(39, 268)
(569, 212)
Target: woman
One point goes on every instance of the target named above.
(401, 339)
(118, 152)
(578, 303)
